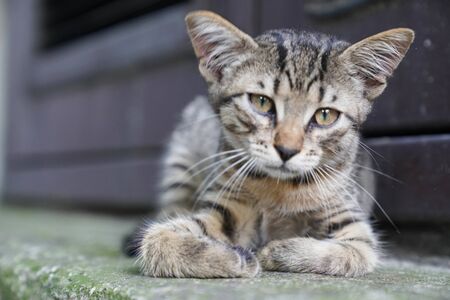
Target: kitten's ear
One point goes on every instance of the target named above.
(217, 43)
(375, 58)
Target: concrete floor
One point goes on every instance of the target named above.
(76, 256)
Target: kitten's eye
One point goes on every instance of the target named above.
(325, 116)
(262, 103)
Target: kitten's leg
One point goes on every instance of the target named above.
(350, 251)
(200, 246)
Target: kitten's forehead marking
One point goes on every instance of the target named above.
(305, 54)
(281, 50)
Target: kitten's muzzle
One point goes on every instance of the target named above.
(288, 139)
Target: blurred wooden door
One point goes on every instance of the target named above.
(90, 106)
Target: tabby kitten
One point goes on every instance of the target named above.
(266, 173)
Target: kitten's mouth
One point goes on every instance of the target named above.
(282, 168)
(282, 173)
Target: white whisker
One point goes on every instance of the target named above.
(205, 189)
(365, 191)
(185, 176)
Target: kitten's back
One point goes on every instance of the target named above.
(195, 138)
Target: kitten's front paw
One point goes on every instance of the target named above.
(267, 257)
(313, 256)
(165, 252)
(249, 265)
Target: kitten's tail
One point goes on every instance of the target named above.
(131, 243)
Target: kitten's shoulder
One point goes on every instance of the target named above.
(198, 108)
(198, 129)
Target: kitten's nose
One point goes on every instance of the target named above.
(285, 153)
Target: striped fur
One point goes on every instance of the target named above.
(232, 205)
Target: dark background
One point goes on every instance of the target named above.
(95, 87)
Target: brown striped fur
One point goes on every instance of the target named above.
(233, 206)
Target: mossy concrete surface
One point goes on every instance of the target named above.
(56, 255)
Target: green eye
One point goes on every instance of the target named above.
(326, 116)
(262, 103)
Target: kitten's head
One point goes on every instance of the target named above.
(293, 100)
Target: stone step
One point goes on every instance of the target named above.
(61, 255)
